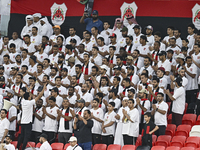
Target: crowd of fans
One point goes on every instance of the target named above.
(103, 88)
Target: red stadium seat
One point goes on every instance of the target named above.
(66, 145)
(197, 148)
(173, 148)
(138, 141)
(192, 142)
(189, 119)
(154, 138)
(127, 147)
(186, 106)
(187, 148)
(57, 146)
(100, 147)
(198, 120)
(30, 144)
(158, 148)
(38, 145)
(169, 119)
(170, 129)
(163, 140)
(178, 141)
(14, 143)
(114, 147)
(183, 130)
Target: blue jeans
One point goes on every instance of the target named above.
(86, 146)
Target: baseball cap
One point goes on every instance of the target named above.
(132, 90)
(161, 69)
(2, 67)
(162, 53)
(180, 56)
(124, 29)
(2, 78)
(43, 135)
(10, 91)
(113, 35)
(65, 69)
(104, 67)
(130, 67)
(149, 27)
(57, 26)
(125, 98)
(136, 26)
(62, 56)
(95, 12)
(81, 100)
(15, 68)
(71, 59)
(144, 38)
(40, 88)
(117, 67)
(129, 57)
(72, 139)
(34, 78)
(143, 91)
(8, 135)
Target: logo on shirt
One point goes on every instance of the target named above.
(196, 16)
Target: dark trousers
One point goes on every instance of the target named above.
(64, 137)
(141, 125)
(35, 136)
(96, 139)
(51, 136)
(107, 139)
(25, 135)
(129, 140)
(176, 119)
(160, 131)
(12, 133)
(198, 107)
(191, 96)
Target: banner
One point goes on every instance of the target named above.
(128, 10)
(196, 16)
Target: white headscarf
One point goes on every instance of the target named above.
(48, 25)
(28, 17)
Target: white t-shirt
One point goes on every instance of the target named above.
(87, 97)
(146, 105)
(131, 128)
(192, 82)
(88, 46)
(59, 100)
(77, 38)
(62, 123)
(72, 100)
(178, 105)
(17, 42)
(150, 40)
(107, 119)
(53, 38)
(96, 129)
(136, 41)
(117, 102)
(36, 40)
(53, 59)
(37, 124)
(51, 124)
(122, 42)
(106, 36)
(30, 48)
(41, 57)
(4, 124)
(45, 146)
(73, 148)
(27, 111)
(159, 118)
(9, 147)
(12, 113)
(191, 40)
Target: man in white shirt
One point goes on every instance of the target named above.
(177, 34)
(190, 37)
(28, 45)
(50, 121)
(27, 117)
(36, 20)
(45, 144)
(170, 32)
(178, 105)
(150, 37)
(72, 33)
(55, 94)
(73, 144)
(136, 37)
(4, 125)
(8, 145)
(17, 41)
(86, 96)
(53, 38)
(160, 114)
(36, 39)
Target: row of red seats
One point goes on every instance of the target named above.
(169, 107)
(173, 148)
(183, 130)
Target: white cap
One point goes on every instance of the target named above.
(37, 15)
(104, 67)
(125, 98)
(72, 139)
(180, 56)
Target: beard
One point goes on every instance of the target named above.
(19, 61)
(84, 91)
(7, 142)
(60, 62)
(94, 18)
(41, 142)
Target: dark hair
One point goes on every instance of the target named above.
(35, 28)
(71, 87)
(173, 39)
(55, 46)
(58, 77)
(147, 58)
(26, 95)
(47, 60)
(106, 22)
(19, 74)
(25, 66)
(89, 81)
(186, 40)
(87, 32)
(82, 45)
(127, 80)
(96, 99)
(25, 50)
(191, 25)
(171, 27)
(158, 33)
(95, 67)
(72, 28)
(132, 100)
(188, 57)
(95, 47)
(160, 94)
(145, 75)
(6, 55)
(100, 94)
(46, 37)
(75, 77)
(5, 37)
(12, 45)
(60, 37)
(4, 110)
(157, 42)
(119, 58)
(118, 78)
(101, 38)
(27, 36)
(95, 28)
(79, 66)
(147, 114)
(52, 98)
(113, 47)
(137, 51)
(112, 103)
(156, 78)
(40, 65)
(46, 76)
(88, 111)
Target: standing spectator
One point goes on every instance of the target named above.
(84, 125)
(160, 114)
(65, 125)
(178, 105)
(108, 126)
(27, 29)
(15, 40)
(4, 125)
(92, 22)
(190, 37)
